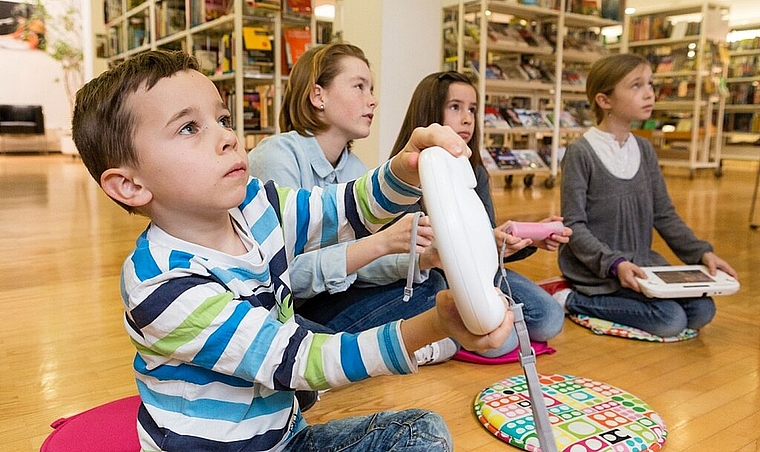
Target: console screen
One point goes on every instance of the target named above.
(683, 276)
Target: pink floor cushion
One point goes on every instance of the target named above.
(600, 326)
(585, 415)
(553, 285)
(512, 357)
(111, 427)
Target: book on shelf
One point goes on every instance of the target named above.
(492, 117)
(530, 118)
(170, 17)
(511, 116)
(450, 33)
(297, 6)
(533, 72)
(664, 65)
(296, 42)
(613, 9)
(566, 119)
(225, 54)
(684, 125)
(527, 37)
(206, 10)
(208, 59)
(214, 9)
(574, 76)
(251, 110)
(493, 72)
(745, 44)
(505, 34)
(529, 159)
(270, 4)
(678, 30)
(257, 43)
(513, 71)
(503, 157)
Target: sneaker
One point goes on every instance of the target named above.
(561, 297)
(437, 352)
(306, 399)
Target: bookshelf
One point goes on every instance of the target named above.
(741, 123)
(530, 69)
(686, 47)
(246, 47)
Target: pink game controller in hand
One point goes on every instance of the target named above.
(535, 231)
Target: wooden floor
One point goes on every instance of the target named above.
(63, 348)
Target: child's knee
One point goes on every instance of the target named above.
(432, 433)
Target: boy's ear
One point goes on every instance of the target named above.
(120, 184)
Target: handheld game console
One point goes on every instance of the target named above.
(685, 281)
(535, 231)
(463, 237)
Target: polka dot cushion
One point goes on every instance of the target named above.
(586, 416)
(600, 326)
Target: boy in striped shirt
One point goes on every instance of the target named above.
(206, 290)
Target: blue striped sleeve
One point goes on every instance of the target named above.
(350, 358)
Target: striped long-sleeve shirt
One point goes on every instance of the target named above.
(218, 352)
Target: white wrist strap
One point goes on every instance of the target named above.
(527, 358)
(408, 290)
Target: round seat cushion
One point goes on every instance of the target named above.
(110, 427)
(585, 415)
(600, 326)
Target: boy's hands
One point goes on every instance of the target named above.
(397, 237)
(404, 165)
(444, 321)
(452, 324)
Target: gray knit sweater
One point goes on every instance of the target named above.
(613, 218)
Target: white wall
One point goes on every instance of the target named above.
(31, 77)
(401, 39)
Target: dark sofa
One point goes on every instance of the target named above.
(22, 119)
(22, 129)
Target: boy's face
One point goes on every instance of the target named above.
(190, 160)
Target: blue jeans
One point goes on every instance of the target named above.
(544, 317)
(360, 308)
(410, 430)
(661, 317)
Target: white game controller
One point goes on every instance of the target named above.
(463, 237)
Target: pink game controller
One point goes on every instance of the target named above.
(535, 231)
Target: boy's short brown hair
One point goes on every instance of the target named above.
(103, 124)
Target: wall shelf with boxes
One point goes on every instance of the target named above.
(246, 47)
(686, 47)
(741, 122)
(530, 69)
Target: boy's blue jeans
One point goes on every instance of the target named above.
(361, 308)
(410, 430)
(661, 317)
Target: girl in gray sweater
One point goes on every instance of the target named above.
(613, 196)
